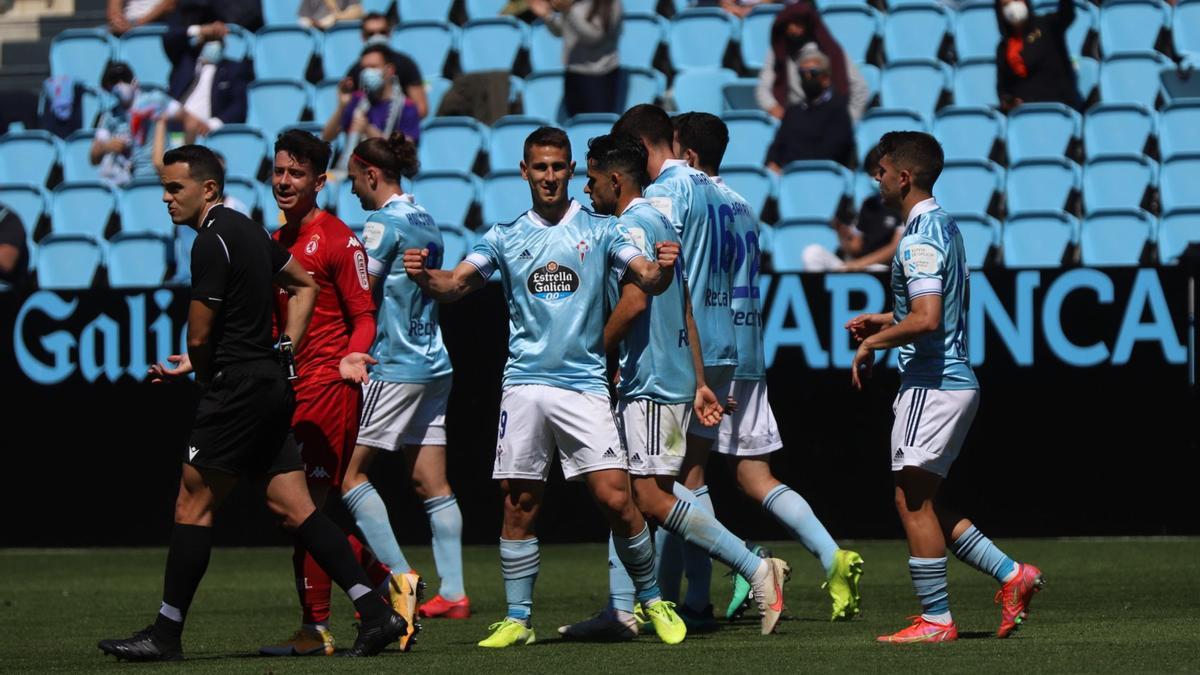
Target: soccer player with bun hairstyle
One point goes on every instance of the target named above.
(938, 392)
(410, 383)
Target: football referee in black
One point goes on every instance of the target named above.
(242, 425)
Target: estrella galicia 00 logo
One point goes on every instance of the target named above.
(553, 282)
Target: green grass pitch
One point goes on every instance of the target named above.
(1110, 605)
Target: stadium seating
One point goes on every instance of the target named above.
(423, 10)
(1131, 25)
(754, 183)
(427, 43)
(791, 237)
(29, 202)
(699, 89)
(82, 53)
(975, 83)
(1043, 184)
(68, 261)
(545, 48)
(812, 189)
(340, 48)
(239, 43)
(966, 186)
(1185, 28)
(244, 191)
(349, 208)
(856, 27)
(447, 195)
(1179, 129)
(272, 217)
(915, 84)
(243, 148)
(756, 34)
(281, 12)
(751, 133)
(968, 132)
(435, 89)
(1180, 187)
(276, 104)
(142, 211)
(451, 143)
(138, 259)
(1087, 20)
(28, 156)
(543, 96)
(1176, 230)
(1041, 130)
(699, 37)
(1038, 239)
(641, 35)
(506, 140)
(142, 48)
(505, 197)
(642, 85)
(580, 129)
(873, 77)
(483, 9)
(1117, 129)
(915, 30)
(975, 31)
(1115, 237)
(77, 157)
(879, 121)
(184, 237)
(456, 244)
(82, 208)
(575, 188)
(283, 52)
(739, 94)
(1087, 76)
(640, 6)
(1132, 77)
(491, 44)
(864, 186)
(1117, 182)
(325, 99)
(980, 234)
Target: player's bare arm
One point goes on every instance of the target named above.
(654, 276)
(633, 302)
(924, 318)
(442, 285)
(302, 297)
(705, 405)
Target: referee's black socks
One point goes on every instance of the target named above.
(187, 560)
(327, 544)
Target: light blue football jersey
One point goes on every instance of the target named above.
(408, 342)
(702, 215)
(554, 278)
(931, 260)
(656, 355)
(745, 301)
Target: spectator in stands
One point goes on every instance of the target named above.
(211, 87)
(126, 14)
(244, 13)
(779, 83)
(14, 256)
(377, 30)
(589, 31)
(322, 14)
(817, 127)
(740, 8)
(866, 242)
(379, 105)
(1032, 60)
(124, 141)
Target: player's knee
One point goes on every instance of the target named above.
(613, 499)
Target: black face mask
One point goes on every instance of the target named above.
(795, 42)
(812, 88)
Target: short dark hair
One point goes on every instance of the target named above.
(620, 152)
(376, 16)
(647, 122)
(202, 163)
(706, 135)
(916, 151)
(551, 136)
(115, 72)
(395, 157)
(303, 145)
(388, 55)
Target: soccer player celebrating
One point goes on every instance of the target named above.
(245, 409)
(661, 373)
(330, 367)
(749, 435)
(553, 263)
(692, 203)
(938, 391)
(410, 384)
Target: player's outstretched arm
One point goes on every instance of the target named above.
(654, 276)
(303, 298)
(442, 285)
(924, 318)
(633, 302)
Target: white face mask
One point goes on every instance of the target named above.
(1015, 13)
(124, 91)
(212, 52)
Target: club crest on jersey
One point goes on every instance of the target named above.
(553, 282)
(311, 247)
(583, 249)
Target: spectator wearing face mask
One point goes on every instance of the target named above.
(1032, 60)
(211, 87)
(377, 30)
(124, 140)
(779, 82)
(817, 127)
(378, 106)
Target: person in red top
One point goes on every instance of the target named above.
(331, 366)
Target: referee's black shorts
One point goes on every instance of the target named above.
(243, 422)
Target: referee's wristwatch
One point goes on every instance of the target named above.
(287, 356)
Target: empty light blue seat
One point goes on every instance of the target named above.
(640, 85)
(82, 208)
(457, 242)
(491, 44)
(505, 197)
(82, 53)
(243, 148)
(1041, 130)
(699, 38)
(975, 83)
(874, 78)
(280, 12)
(791, 237)
(142, 48)
(28, 156)
(68, 262)
(1176, 230)
(545, 48)
(640, 6)
(283, 52)
(142, 210)
(699, 89)
(1117, 129)
(483, 9)
(1117, 182)
(756, 34)
(754, 183)
(975, 31)
(967, 185)
(325, 99)
(641, 34)
(340, 48)
(1132, 77)
(1043, 184)
(1131, 25)
(879, 121)
(968, 132)
(239, 43)
(1185, 27)
(184, 238)
(275, 104)
(543, 96)
(451, 143)
(435, 89)
(241, 195)
(812, 189)
(427, 43)
(1180, 182)
(864, 186)
(138, 259)
(915, 31)
(980, 233)
(855, 27)
(1038, 239)
(77, 157)
(447, 195)
(1115, 237)
(582, 128)
(751, 133)
(1179, 129)
(1087, 76)
(272, 217)
(349, 208)
(424, 10)
(915, 85)
(506, 141)
(575, 188)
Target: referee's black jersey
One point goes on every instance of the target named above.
(233, 264)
